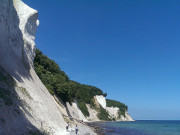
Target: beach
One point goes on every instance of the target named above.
(83, 129)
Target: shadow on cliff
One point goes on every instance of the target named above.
(12, 108)
(13, 57)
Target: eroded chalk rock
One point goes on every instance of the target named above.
(101, 100)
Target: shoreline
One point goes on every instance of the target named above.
(141, 127)
(99, 130)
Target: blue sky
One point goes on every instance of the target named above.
(128, 48)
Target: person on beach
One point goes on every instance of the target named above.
(76, 129)
(67, 127)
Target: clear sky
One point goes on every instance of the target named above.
(128, 48)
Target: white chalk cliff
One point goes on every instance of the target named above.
(37, 108)
(101, 100)
(75, 112)
(92, 114)
(113, 111)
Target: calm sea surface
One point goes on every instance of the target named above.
(141, 128)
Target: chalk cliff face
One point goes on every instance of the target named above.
(28, 24)
(101, 100)
(126, 118)
(18, 27)
(75, 112)
(92, 114)
(37, 109)
(113, 111)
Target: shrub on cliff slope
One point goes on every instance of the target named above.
(122, 107)
(83, 108)
(103, 114)
(7, 82)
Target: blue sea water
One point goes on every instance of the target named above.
(141, 128)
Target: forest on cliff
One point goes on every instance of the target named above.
(58, 83)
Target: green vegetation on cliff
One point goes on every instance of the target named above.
(57, 82)
(122, 107)
(6, 83)
(103, 114)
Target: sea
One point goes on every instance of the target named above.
(141, 127)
